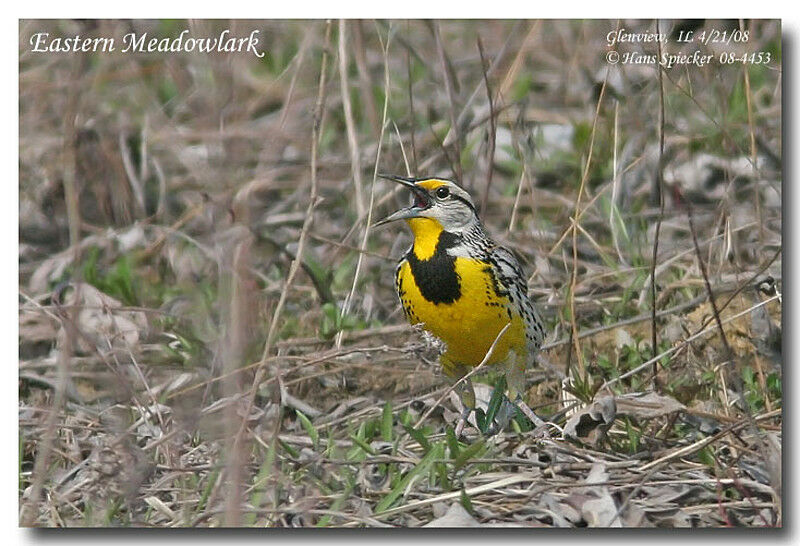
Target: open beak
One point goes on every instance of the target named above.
(422, 200)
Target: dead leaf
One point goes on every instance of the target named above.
(591, 424)
(101, 321)
(35, 326)
(456, 516)
(594, 502)
(772, 449)
(623, 339)
(52, 269)
(483, 393)
(562, 513)
(601, 512)
(647, 405)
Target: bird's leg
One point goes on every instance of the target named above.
(515, 376)
(502, 417)
(462, 420)
(541, 426)
(467, 395)
(464, 389)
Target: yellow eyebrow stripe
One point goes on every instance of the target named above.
(431, 183)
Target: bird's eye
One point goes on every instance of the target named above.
(442, 192)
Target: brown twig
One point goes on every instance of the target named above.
(411, 117)
(492, 130)
(449, 83)
(700, 444)
(363, 248)
(753, 150)
(658, 190)
(352, 140)
(680, 346)
(30, 510)
(315, 132)
(704, 272)
(365, 81)
(573, 227)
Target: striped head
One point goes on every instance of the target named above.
(438, 205)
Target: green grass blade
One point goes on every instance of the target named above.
(468, 453)
(258, 484)
(452, 442)
(496, 401)
(362, 444)
(419, 436)
(212, 479)
(310, 428)
(422, 468)
(386, 422)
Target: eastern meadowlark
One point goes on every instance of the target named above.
(464, 288)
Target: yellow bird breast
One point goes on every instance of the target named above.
(470, 323)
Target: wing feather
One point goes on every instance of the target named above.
(510, 276)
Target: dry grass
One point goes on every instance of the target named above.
(209, 334)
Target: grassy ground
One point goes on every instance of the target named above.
(208, 330)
